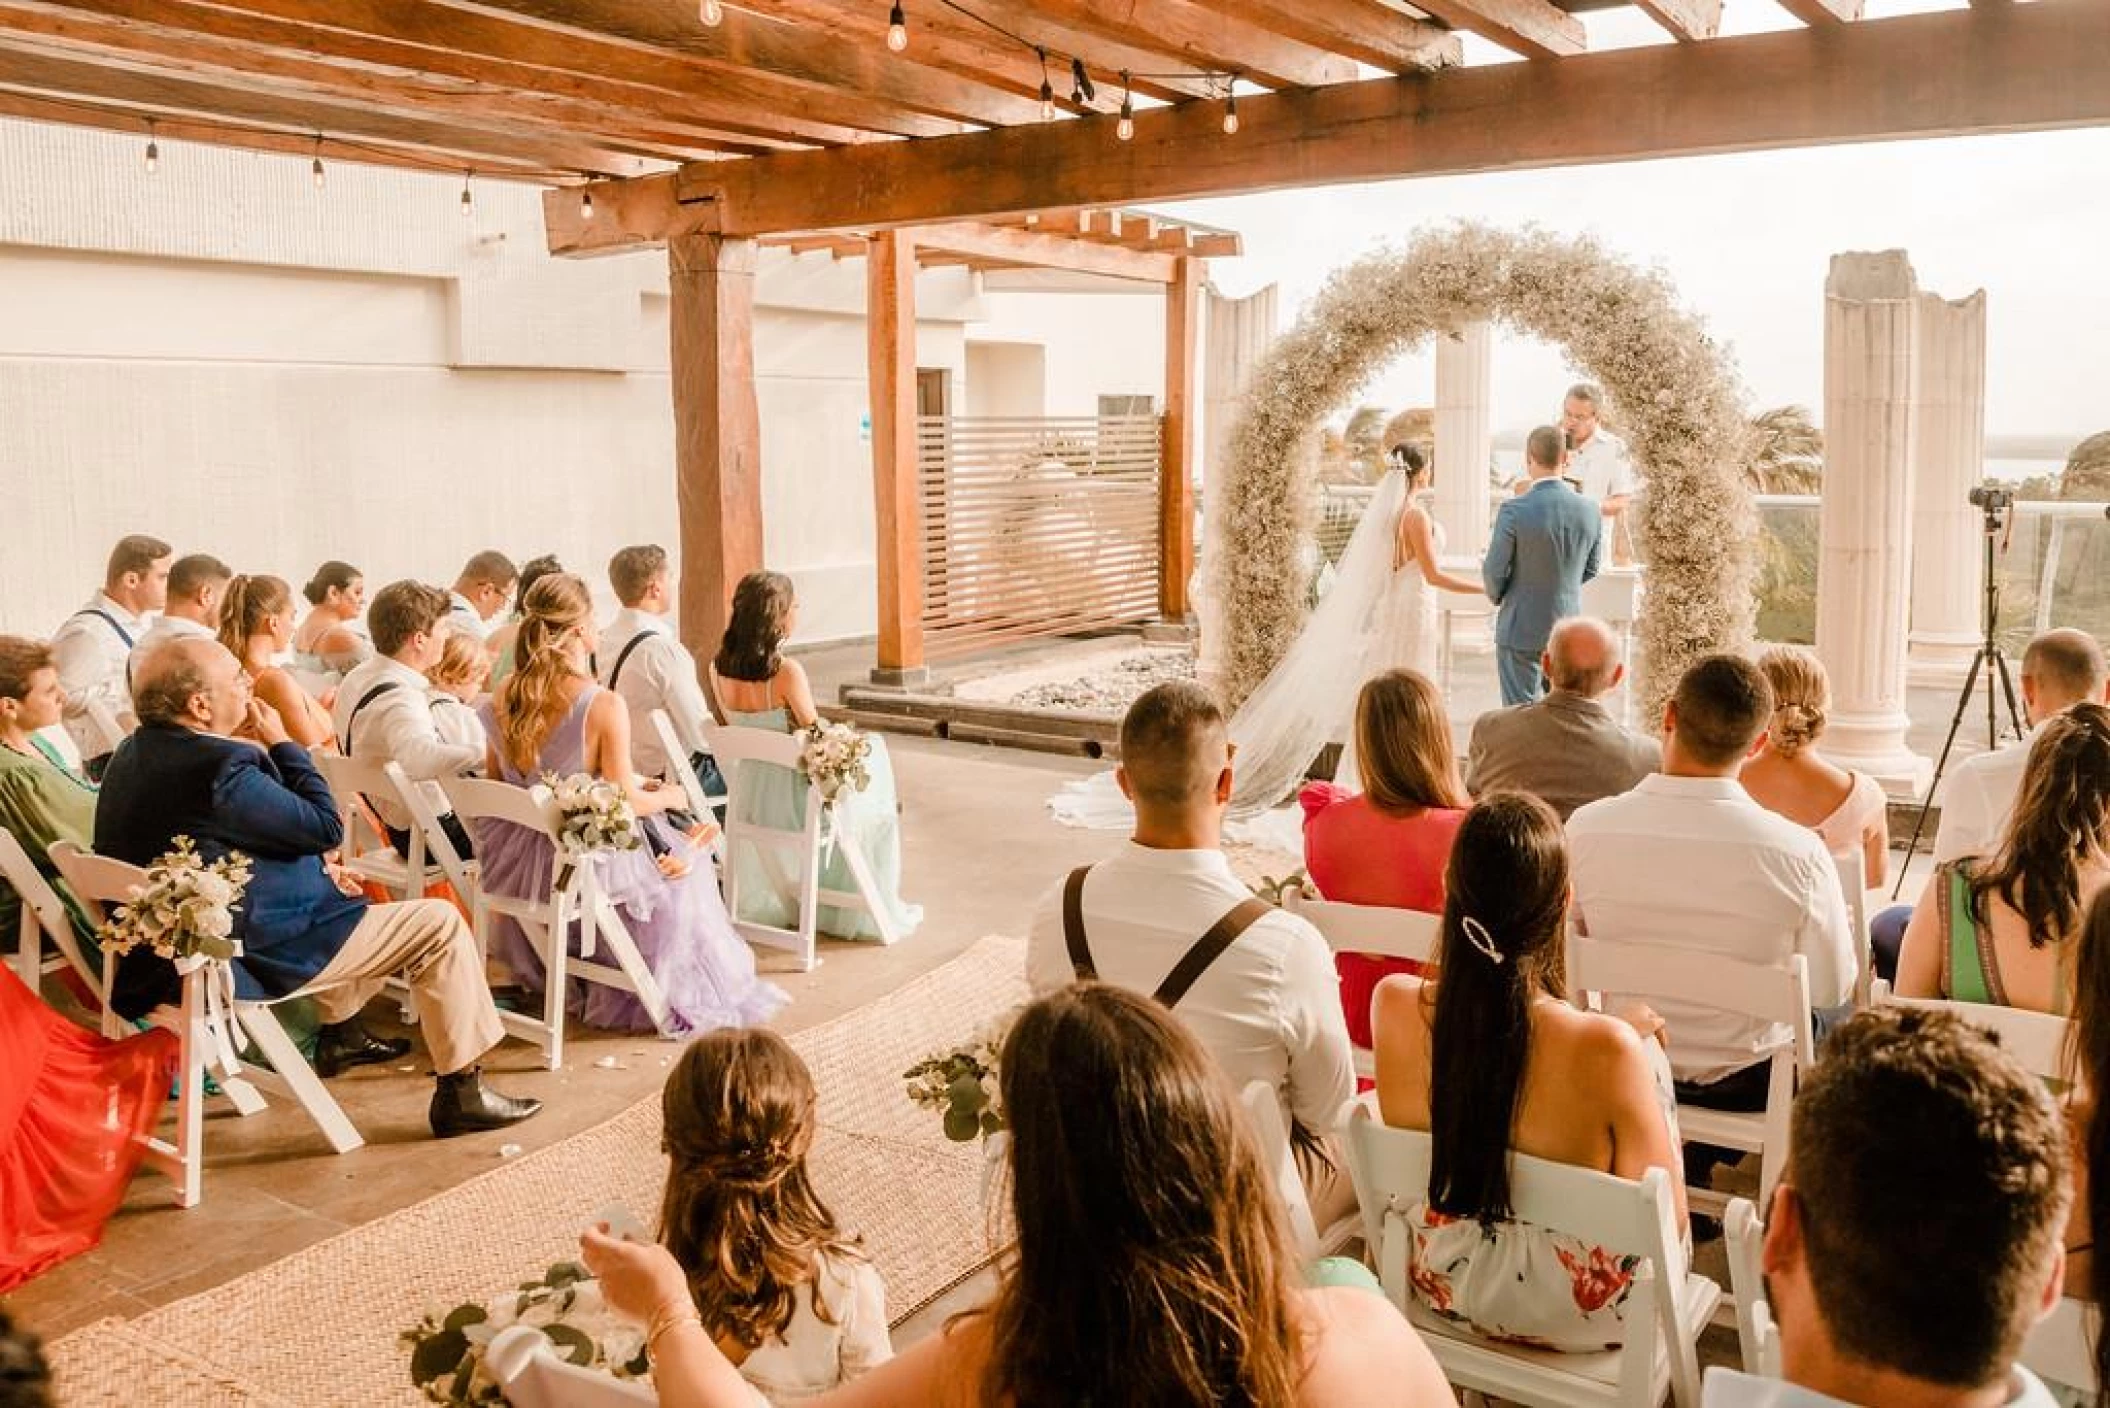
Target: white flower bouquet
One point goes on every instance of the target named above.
(596, 815)
(185, 910)
(833, 758)
(961, 1083)
(447, 1351)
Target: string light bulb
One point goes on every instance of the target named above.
(1230, 114)
(1126, 128)
(468, 201)
(1047, 89)
(315, 167)
(896, 28)
(586, 202)
(711, 13)
(153, 151)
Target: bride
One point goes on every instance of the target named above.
(1380, 613)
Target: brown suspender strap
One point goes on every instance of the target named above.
(1073, 925)
(1222, 934)
(1193, 963)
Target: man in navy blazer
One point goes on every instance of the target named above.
(1545, 545)
(302, 930)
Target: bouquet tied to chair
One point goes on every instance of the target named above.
(594, 815)
(185, 911)
(835, 759)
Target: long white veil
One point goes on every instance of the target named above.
(1307, 700)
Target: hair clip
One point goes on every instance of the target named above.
(1476, 934)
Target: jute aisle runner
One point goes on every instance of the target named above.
(321, 1326)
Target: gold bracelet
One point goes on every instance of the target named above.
(668, 1317)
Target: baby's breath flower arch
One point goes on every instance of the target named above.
(1671, 389)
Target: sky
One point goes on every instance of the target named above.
(1746, 241)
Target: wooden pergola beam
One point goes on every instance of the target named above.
(890, 341)
(1188, 35)
(2023, 68)
(1009, 245)
(1819, 13)
(1687, 21)
(1368, 31)
(1537, 29)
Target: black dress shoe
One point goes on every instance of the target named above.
(340, 1047)
(463, 1104)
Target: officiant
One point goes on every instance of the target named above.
(1599, 465)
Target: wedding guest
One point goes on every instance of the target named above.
(1151, 1264)
(303, 926)
(1787, 775)
(24, 1374)
(197, 592)
(1267, 1004)
(1915, 1238)
(93, 645)
(500, 642)
(327, 641)
(650, 669)
(455, 682)
(760, 687)
(1491, 1060)
(1688, 860)
(382, 714)
(42, 800)
(257, 627)
(2087, 1055)
(1999, 928)
(1565, 748)
(1386, 845)
(480, 592)
(768, 1267)
(2060, 669)
(550, 718)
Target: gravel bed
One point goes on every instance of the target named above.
(1111, 691)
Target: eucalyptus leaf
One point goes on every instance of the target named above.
(463, 1316)
(961, 1125)
(575, 1342)
(436, 1357)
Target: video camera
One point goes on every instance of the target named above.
(1993, 498)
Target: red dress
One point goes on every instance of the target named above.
(1356, 854)
(73, 1109)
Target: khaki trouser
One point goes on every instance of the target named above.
(427, 942)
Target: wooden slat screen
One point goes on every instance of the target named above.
(1036, 526)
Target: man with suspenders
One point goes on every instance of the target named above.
(643, 662)
(92, 645)
(1166, 916)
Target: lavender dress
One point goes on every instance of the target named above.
(680, 927)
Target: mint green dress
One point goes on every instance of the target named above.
(776, 797)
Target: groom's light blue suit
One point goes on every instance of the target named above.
(1546, 544)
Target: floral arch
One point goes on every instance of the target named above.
(1672, 390)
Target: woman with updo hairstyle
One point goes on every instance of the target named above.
(325, 641)
(256, 625)
(1487, 1055)
(2000, 928)
(551, 720)
(503, 643)
(1789, 776)
(792, 1300)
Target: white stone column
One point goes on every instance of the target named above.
(1464, 437)
(1864, 563)
(1948, 568)
(1236, 334)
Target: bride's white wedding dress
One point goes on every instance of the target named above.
(1371, 619)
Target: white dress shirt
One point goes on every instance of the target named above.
(1602, 466)
(397, 727)
(1269, 1007)
(659, 674)
(164, 629)
(1693, 862)
(462, 615)
(1729, 1388)
(90, 655)
(1978, 797)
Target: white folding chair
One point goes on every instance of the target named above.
(525, 1365)
(44, 913)
(2036, 1039)
(1263, 1106)
(791, 858)
(423, 802)
(367, 850)
(1667, 1307)
(2061, 1346)
(1777, 993)
(1745, 1238)
(1852, 877)
(209, 1020)
(684, 772)
(1372, 929)
(571, 895)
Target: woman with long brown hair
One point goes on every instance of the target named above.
(1489, 1058)
(256, 624)
(1152, 1263)
(1388, 844)
(549, 719)
(1999, 928)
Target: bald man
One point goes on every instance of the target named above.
(304, 927)
(1565, 748)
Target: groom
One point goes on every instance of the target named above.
(1545, 546)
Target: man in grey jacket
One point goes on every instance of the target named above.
(1566, 748)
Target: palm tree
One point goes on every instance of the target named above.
(1787, 452)
(1364, 437)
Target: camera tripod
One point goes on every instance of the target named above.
(1989, 659)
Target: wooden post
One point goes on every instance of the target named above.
(717, 428)
(890, 321)
(1183, 302)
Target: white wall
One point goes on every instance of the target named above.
(1006, 378)
(223, 356)
(1110, 344)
